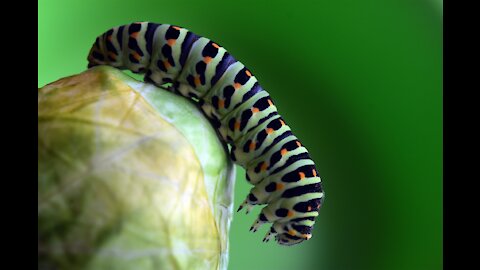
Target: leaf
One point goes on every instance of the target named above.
(130, 177)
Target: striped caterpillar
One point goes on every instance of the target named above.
(276, 163)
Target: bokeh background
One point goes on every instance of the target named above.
(360, 82)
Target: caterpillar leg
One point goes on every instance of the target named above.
(245, 205)
(258, 223)
(270, 234)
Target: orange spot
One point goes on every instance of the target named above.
(221, 103)
(167, 64)
(290, 213)
(134, 35)
(112, 55)
(299, 144)
(215, 45)
(248, 73)
(264, 166)
(109, 38)
(283, 123)
(197, 80)
(279, 186)
(291, 232)
(237, 85)
(252, 145)
(309, 208)
(270, 102)
(284, 151)
(171, 42)
(302, 175)
(136, 56)
(269, 130)
(237, 125)
(314, 172)
(176, 28)
(207, 59)
(255, 110)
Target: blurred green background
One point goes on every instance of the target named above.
(360, 82)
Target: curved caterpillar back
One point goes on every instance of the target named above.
(279, 166)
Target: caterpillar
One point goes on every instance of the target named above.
(276, 162)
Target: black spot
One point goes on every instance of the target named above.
(161, 66)
(134, 27)
(271, 187)
(291, 145)
(242, 77)
(209, 50)
(262, 103)
(133, 59)
(167, 51)
(228, 91)
(200, 67)
(262, 217)
(275, 124)
(258, 167)
(246, 115)
(252, 197)
(191, 81)
(276, 157)
(216, 123)
(282, 212)
(246, 146)
(215, 102)
(231, 124)
(172, 33)
(261, 137)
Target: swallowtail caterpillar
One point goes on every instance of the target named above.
(277, 164)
